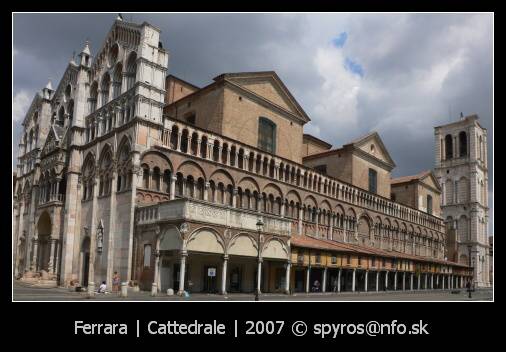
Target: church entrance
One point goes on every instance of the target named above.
(44, 237)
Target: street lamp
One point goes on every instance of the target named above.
(471, 265)
(260, 227)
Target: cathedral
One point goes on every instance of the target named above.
(124, 168)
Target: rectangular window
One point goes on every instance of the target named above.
(300, 258)
(147, 255)
(384, 262)
(359, 260)
(373, 181)
(318, 258)
(266, 135)
(373, 262)
(348, 259)
(429, 204)
(333, 259)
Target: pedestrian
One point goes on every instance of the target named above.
(102, 287)
(316, 286)
(468, 286)
(115, 282)
(334, 284)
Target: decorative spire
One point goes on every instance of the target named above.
(72, 60)
(49, 86)
(119, 18)
(86, 49)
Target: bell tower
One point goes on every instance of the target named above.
(462, 171)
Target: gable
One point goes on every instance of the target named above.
(430, 181)
(268, 87)
(50, 144)
(268, 91)
(373, 145)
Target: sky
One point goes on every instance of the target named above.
(397, 74)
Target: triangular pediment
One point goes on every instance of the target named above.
(373, 145)
(51, 142)
(268, 86)
(430, 180)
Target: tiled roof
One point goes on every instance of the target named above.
(404, 179)
(318, 243)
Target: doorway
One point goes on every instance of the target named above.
(210, 284)
(236, 279)
(299, 280)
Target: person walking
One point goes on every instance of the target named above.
(115, 282)
(468, 286)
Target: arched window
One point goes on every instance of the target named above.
(463, 144)
(429, 204)
(70, 110)
(266, 135)
(145, 177)
(449, 146)
(93, 97)
(131, 70)
(61, 116)
(106, 82)
(156, 178)
(116, 80)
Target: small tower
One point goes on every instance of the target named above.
(462, 171)
(47, 90)
(85, 55)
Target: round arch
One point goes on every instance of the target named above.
(243, 244)
(207, 240)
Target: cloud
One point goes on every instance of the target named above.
(20, 104)
(399, 74)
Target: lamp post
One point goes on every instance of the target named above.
(260, 227)
(469, 288)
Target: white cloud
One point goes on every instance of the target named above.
(20, 104)
(337, 96)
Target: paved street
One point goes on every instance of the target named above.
(23, 292)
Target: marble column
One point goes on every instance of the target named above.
(366, 280)
(395, 281)
(339, 280)
(308, 273)
(404, 281)
(287, 277)
(377, 281)
(173, 187)
(224, 275)
(182, 268)
(411, 282)
(154, 285)
(33, 264)
(386, 280)
(324, 281)
(353, 280)
(52, 263)
(259, 275)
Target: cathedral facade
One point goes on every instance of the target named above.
(123, 168)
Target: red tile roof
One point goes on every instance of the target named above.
(318, 243)
(404, 179)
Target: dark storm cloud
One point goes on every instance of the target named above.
(416, 67)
